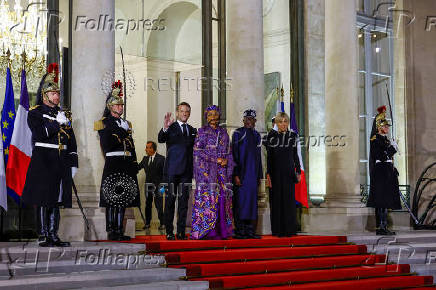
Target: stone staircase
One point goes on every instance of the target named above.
(88, 265)
(417, 248)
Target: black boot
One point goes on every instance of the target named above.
(42, 223)
(383, 223)
(377, 218)
(110, 224)
(53, 226)
(119, 217)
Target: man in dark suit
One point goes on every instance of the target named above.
(153, 165)
(179, 138)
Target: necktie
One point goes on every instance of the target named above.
(185, 130)
(150, 160)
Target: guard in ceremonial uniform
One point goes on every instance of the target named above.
(119, 186)
(384, 192)
(54, 159)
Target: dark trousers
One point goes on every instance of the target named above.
(158, 203)
(178, 188)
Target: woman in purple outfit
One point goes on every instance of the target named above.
(213, 168)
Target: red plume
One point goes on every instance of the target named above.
(118, 84)
(54, 67)
(381, 109)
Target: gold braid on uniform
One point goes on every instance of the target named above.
(63, 132)
(118, 138)
(128, 141)
(99, 125)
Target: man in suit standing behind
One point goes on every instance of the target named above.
(153, 165)
(179, 138)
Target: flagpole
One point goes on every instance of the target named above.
(1, 223)
(20, 207)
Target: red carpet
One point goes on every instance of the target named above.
(300, 262)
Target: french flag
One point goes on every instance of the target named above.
(301, 187)
(20, 149)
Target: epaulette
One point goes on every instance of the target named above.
(34, 107)
(130, 125)
(99, 125)
(373, 137)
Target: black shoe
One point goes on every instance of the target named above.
(390, 233)
(250, 232)
(161, 228)
(122, 237)
(181, 236)
(147, 226)
(59, 243)
(171, 237)
(47, 243)
(42, 239)
(380, 232)
(384, 232)
(253, 236)
(238, 236)
(112, 236)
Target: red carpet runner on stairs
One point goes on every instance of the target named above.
(299, 262)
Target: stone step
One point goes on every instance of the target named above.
(31, 252)
(410, 237)
(407, 248)
(169, 285)
(405, 258)
(103, 278)
(425, 270)
(83, 263)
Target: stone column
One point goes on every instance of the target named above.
(420, 87)
(245, 61)
(342, 209)
(315, 76)
(341, 103)
(93, 57)
(246, 74)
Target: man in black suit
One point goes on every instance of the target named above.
(179, 138)
(153, 165)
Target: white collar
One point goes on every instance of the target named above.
(181, 123)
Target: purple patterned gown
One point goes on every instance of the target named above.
(212, 210)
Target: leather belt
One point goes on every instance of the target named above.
(119, 153)
(53, 146)
(378, 161)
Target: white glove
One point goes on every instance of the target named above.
(73, 171)
(123, 124)
(61, 118)
(395, 145)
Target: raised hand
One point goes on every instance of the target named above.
(168, 120)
